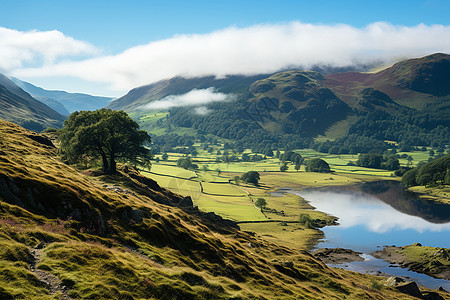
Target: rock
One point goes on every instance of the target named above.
(406, 287)
(186, 201)
(337, 255)
(431, 296)
(441, 289)
(417, 244)
(41, 140)
(136, 215)
(8, 190)
(410, 288)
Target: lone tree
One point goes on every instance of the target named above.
(261, 203)
(317, 165)
(251, 177)
(108, 134)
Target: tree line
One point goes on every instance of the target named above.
(436, 172)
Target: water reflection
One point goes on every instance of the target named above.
(393, 193)
(358, 208)
(381, 213)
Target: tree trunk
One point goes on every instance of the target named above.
(104, 160)
(112, 163)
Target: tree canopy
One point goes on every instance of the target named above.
(317, 165)
(434, 172)
(251, 177)
(261, 203)
(110, 135)
(186, 163)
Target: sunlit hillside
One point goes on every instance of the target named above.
(122, 236)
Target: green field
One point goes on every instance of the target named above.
(216, 191)
(172, 170)
(222, 189)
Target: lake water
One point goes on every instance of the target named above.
(381, 213)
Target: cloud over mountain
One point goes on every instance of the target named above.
(195, 97)
(251, 50)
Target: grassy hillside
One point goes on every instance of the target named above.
(122, 236)
(19, 107)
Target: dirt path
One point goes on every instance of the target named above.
(51, 282)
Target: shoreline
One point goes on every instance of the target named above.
(431, 261)
(331, 256)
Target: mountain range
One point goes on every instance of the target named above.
(310, 104)
(63, 102)
(19, 107)
(407, 102)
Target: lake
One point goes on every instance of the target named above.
(381, 213)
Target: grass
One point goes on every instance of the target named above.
(237, 202)
(439, 194)
(306, 179)
(233, 208)
(222, 189)
(121, 271)
(171, 170)
(95, 246)
(429, 260)
(291, 235)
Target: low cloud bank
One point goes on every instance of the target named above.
(246, 51)
(196, 97)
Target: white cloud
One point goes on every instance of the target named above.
(252, 50)
(202, 110)
(195, 97)
(18, 48)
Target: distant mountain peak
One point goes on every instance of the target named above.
(19, 107)
(63, 101)
(429, 74)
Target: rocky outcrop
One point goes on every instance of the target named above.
(337, 255)
(43, 140)
(433, 261)
(406, 287)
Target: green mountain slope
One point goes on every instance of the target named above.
(70, 101)
(64, 233)
(179, 85)
(407, 103)
(18, 106)
(297, 102)
(413, 83)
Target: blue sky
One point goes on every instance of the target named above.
(99, 33)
